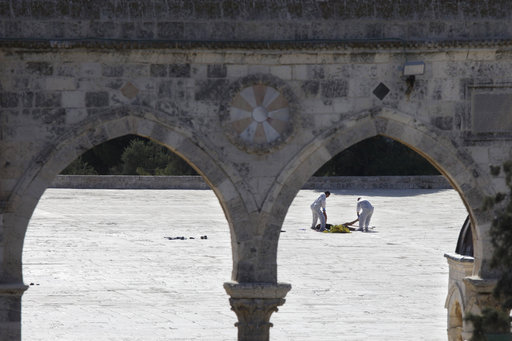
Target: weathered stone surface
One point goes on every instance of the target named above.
(96, 99)
(170, 30)
(112, 70)
(216, 71)
(8, 99)
(334, 88)
(39, 68)
(179, 70)
(158, 70)
(48, 99)
(211, 90)
(282, 19)
(170, 71)
(491, 112)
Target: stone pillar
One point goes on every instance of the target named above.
(253, 304)
(479, 294)
(10, 311)
(460, 268)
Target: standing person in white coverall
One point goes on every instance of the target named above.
(318, 209)
(366, 214)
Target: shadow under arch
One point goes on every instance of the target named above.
(111, 124)
(455, 164)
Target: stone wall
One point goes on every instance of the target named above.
(237, 20)
(197, 182)
(256, 95)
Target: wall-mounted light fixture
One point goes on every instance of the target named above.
(414, 68)
(411, 70)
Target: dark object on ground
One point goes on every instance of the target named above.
(183, 238)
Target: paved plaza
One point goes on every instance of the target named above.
(101, 266)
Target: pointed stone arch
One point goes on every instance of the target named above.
(472, 183)
(110, 124)
(455, 305)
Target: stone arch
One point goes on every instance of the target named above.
(110, 124)
(472, 184)
(455, 306)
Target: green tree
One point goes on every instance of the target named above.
(106, 157)
(79, 167)
(144, 157)
(497, 320)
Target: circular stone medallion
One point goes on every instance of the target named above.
(259, 116)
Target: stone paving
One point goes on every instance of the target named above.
(101, 268)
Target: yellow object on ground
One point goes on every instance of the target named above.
(338, 229)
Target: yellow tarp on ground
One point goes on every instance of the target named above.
(338, 229)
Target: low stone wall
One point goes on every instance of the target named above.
(197, 182)
(129, 182)
(377, 182)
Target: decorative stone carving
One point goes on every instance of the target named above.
(260, 114)
(254, 316)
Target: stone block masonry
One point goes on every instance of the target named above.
(240, 20)
(256, 95)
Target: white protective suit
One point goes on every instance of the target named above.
(366, 214)
(318, 209)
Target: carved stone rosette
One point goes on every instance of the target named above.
(253, 304)
(258, 114)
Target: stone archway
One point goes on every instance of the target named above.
(455, 306)
(44, 168)
(463, 173)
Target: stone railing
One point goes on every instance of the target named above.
(197, 182)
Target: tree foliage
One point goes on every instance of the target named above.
(79, 166)
(134, 155)
(144, 157)
(497, 319)
(106, 157)
(501, 237)
(129, 155)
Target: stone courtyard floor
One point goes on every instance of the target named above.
(100, 267)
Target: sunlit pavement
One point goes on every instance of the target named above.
(100, 267)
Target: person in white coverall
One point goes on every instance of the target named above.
(365, 216)
(318, 210)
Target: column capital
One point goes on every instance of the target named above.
(257, 290)
(480, 285)
(12, 289)
(253, 304)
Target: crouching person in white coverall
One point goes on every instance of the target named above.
(364, 213)
(318, 210)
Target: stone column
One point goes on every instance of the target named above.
(460, 268)
(253, 304)
(10, 311)
(479, 294)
